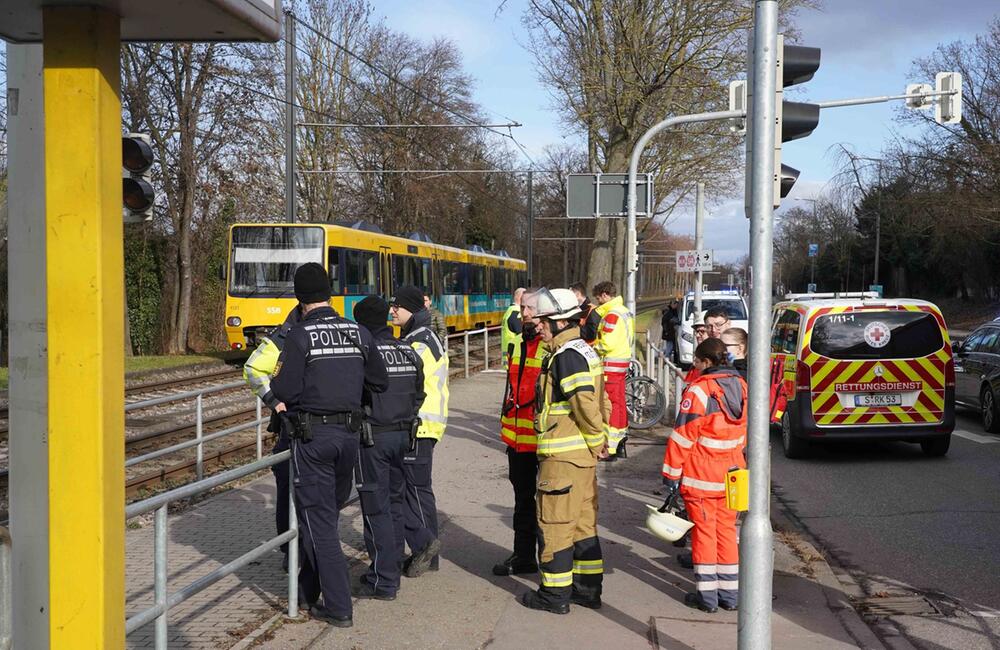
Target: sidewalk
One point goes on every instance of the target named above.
(464, 605)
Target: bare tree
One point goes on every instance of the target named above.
(616, 67)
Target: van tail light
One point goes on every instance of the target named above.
(237, 346)
(949, 374)
(803, 376)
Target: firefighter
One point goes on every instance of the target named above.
(257, 372)
(571, 425)
(326, 363)
(409, 314)
(392, 426)
(510, 327)
(590, 320)
(708, 440)
(517, 431)
(615, 339)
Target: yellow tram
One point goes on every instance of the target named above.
(472, 288)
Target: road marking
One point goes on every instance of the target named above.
(976, 437)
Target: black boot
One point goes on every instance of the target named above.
(515, 565)
(583, 601)
(694, 601)
(532, 600)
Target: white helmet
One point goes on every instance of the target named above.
(557, 304)
(698, 319)
(666, 525)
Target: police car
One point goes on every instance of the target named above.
(729, 299)
(856, 366)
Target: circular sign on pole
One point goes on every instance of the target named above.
(877, 334)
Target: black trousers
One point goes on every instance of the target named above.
(280, 472)
(381, 486)
(523, 474)
(420, 510)
(323, 473)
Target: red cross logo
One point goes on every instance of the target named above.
(877, 334)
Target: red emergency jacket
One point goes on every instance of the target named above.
(517, 420)
(709, 434)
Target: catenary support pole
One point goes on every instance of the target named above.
(756, 536)
(290, 117)
(84, 270)
(699, 241)
(531, 229)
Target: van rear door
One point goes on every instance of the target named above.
(878, 367)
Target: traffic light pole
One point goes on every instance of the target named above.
(632, 265)
(756, 536)
(290, 117)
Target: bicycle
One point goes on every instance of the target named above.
(645, 400)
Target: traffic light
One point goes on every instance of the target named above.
(948, 108)
(137, 187)
(796, 64)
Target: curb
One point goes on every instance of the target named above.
(838, 589)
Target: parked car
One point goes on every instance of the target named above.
(730, 300)
(977, 374)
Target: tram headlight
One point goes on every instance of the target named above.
(234, 321)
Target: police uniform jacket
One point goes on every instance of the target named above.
(397, 407)
(326, 362)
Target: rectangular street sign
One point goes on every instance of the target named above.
(590, 196)
(813, 250)
(877, 288)
(692, 261)
(811, 288)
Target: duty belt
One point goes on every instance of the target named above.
(335, 418)
(397, 426)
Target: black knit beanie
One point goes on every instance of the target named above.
(372, 312)
(410, 298)
(312, 284)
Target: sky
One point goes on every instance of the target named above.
(867, 49)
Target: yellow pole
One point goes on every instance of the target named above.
(84, 270)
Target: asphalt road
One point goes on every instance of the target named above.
(903, 523)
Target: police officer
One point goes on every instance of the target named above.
(392, 420)
(326, 363)
(409, 314)
(257, 372)
(571, 422)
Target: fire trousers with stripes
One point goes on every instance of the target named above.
(569, 555)
(381, 487)
(714, 549)
(614, 384)
(420, 508)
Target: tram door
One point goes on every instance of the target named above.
(385, 265)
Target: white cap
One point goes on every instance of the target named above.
(698, 319)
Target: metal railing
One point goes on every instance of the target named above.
(485, 331)
(200, 438)
(661, 369)
(163, 600)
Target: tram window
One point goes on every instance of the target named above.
(477, 278)
(333, 262)
(423, 274)
(501, 281)
(400, 272)
(361, 273)
(452, 277)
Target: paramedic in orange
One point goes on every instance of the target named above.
(708, 440)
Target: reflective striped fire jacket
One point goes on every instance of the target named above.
(709, 434)
(517, 426)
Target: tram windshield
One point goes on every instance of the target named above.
(263, 259)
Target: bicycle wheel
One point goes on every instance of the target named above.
(645, 402)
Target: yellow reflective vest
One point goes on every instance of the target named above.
(434, 410)
(260, 366)
(573, 410)
(615, 336)
(510, 340)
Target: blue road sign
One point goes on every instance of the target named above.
(811, 288)
(813, 250)
(876, 288)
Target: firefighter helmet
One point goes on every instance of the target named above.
(666, 525)
(557, 304)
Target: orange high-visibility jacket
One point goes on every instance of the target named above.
(709, 434)
(517, 421)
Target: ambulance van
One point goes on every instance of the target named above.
(853, 366)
